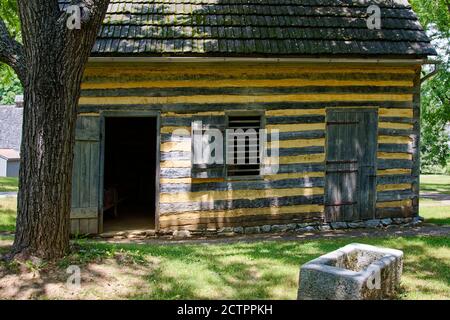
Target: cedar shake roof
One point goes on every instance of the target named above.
(259, 28)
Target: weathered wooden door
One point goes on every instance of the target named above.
(86, 176)
(350, 186)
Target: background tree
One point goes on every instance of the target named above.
(435, 108)
(49, 63)
(9, 83)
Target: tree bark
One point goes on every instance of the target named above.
(55, 58)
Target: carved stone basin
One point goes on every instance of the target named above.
(354, 272)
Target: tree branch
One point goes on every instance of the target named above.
(11, 52)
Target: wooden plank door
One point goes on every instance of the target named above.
(350, 185)
(86, 177)
(367, 133)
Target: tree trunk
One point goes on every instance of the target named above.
(46, 166)
(55, 58)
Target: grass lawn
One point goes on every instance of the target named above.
(8, 184)
(8, 207)
(432, 210)
(258, 270)
(436, 214)
(435, 183)
(428, 201)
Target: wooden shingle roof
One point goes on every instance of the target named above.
(259, 28)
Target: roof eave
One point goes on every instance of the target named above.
(209, 59)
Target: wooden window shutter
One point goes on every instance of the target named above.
(86, 176)
(205, 131)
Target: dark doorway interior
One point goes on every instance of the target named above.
(129, 174)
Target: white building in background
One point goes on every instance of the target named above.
(9, 163)
(10, 137)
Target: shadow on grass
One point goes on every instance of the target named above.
(439, 184)
(8, 184)
(427, 270)
(257, 270)
(269, 270)
(7, 220)
(8, 214)
(435, 196)
(5, 244)
(438, 221)
(439, 215)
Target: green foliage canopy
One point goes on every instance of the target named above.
(9, 83)
(433, 13)
(435, 108)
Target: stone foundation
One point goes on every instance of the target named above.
(313, 226)
(292, 227)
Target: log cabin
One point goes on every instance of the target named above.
(343, 97)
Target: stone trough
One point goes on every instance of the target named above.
(354, 272)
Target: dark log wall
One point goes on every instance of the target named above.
(294, 100)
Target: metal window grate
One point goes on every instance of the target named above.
(246, 162)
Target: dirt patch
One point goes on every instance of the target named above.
(112, 278)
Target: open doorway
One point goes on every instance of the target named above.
(129, 184)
